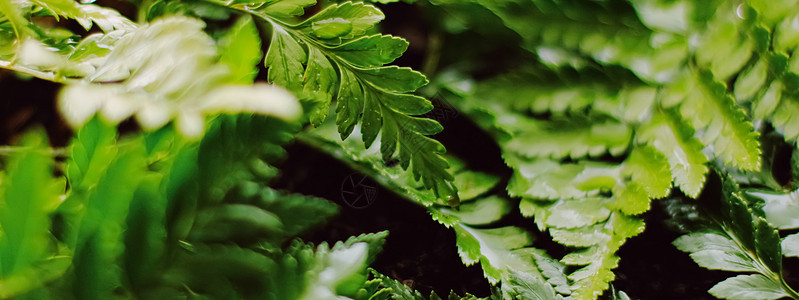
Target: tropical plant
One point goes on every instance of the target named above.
(599, 109)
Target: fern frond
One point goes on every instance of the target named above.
(333, 49)
(600, 258)
(503, 253)
(28, 195)
(177, 76)
(610, 35)
(706, 104)
(675, 139)
(548, 179)
(382, 287)
(736, 238)
(570, 137)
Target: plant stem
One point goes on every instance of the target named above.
(791, 293)
(433, 53)
(9, 150)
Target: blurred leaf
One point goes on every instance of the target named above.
(240, 50)
(28, 194)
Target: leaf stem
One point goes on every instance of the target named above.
(791, 293)
(10, 150)
(433, 54)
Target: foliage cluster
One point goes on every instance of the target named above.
(599, 109)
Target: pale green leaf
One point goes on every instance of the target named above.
(786, 119)
(526, 286)
(709, 107)
(782, 210)
(649, 169)
(572, 137)
(552, 269)
(751, 80)
(786, 35)
(339, 266)
(675, 140)
(747, 287)
(790, 245)
(481, 211)
(168, 70)
(240, 50)
(581, 236)
(473, 184)
(543, 178)
(491, 247)
(577, 212)
(765, 105)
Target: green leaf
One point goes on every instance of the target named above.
(240, 50)
(767, 243)
(105, 18)
(790, 245)
(375, 242)
(358, 17)
(727, 129)
(782, 210)
(232, 222)
(748, 287)
(28, 194)
(392, 78)
(473, 184)
(571, 137)
(524, 286)
(285, 60)
(144, 233)
(669, 135)
(785, 120)
(331, 28)
(600, 259)
(744, 242)
(649, 169)
(577, 212)
(338, 267)
(286, 8)
(319, 85)
(580, 237)
(90, 152)
(715, 252)
(552, 269)
(482, 211)
(343, 52)
(383, 288)
(106, 208)
(547, 179)
(491, 248)
(176, 75)
(751, 80)
(371, 51)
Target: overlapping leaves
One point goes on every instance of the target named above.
(335, 55)
(736, 237)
